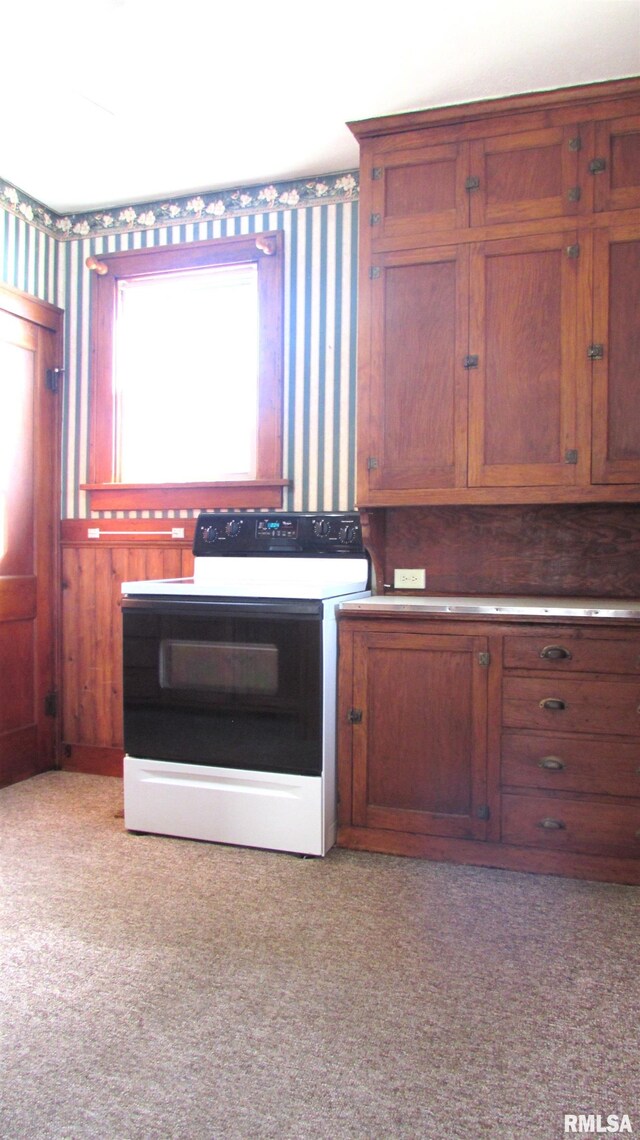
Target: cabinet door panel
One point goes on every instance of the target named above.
(420, 751)
(616, 390)
(524, 297)
(416, 190)
(415, 430)
(617, 186)
(525, 176)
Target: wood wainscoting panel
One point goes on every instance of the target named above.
(92, 573)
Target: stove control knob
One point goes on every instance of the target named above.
(210, 533)
(232, 528)
(348, 532)
(321, 528)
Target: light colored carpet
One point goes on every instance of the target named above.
(163, 989)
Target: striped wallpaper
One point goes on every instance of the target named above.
(320, 333)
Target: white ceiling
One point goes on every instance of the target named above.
(107, 102)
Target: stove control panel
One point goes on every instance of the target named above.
(314, 534)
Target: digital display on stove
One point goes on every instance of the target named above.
(277, 528)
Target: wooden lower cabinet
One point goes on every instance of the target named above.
(510, 745)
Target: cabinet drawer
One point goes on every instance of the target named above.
(571, 764)
(557, 652)
(562, 704)
(571, 825)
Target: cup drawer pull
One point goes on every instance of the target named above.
(552, 703)
(551, 763)
(555, 653)
(551, 824)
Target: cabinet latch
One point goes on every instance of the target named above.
(573, 250)
(470, 362)
(354, 716)
(472, 183)
(595, 352)
(597, 165)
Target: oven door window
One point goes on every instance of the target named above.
(235, 691)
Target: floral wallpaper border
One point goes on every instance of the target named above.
(173, 211)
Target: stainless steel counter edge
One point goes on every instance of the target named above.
(607, 608)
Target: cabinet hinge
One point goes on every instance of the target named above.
(374, 220)
(573, 250)
(597, 165)
(575, 143)
(484, 659)
(595, 352)
(571, 456)
(376, 173)
(472, 183)
(372, 463)
(354, 716)
(470, 362)
(483, 812)
(374, 271)
(51, 704)
(574, 194)
(52, 379)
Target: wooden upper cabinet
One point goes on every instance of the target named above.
(413, 396)
(525, 176)
(616, 164)
(616, 348)
(523, 390)
(418, 189)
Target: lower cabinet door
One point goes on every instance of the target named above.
(419, 733)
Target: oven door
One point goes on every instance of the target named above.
(224, 683)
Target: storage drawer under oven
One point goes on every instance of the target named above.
(571, 764)
(563, 704)
(563, 824)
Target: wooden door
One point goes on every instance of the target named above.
(524, 391)
(616, 164)
(416, 189)
(419, 752)
(29, 511)
(413, 401)
(525, 176)
(616, 367)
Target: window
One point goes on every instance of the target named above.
(187, 376)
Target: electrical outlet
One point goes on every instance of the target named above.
(409, 579)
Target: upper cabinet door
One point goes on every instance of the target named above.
(525, 176)
(412, 417)
(416, 190)
(523, 391)
(616, 367)
(616, 164)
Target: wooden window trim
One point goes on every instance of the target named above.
(266, 251)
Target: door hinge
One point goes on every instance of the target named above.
(595, 352)
(597, 165)
(484, 659)
(472, 183)
(575, 143)
(483, 812)
(470, 362)
(51, 704)
(374, 272)
(372, 463)
(571, 456)
(374, 220)
(573, 250)
(52, 379)
(354, 716)
(376, 173)
(574, 194)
